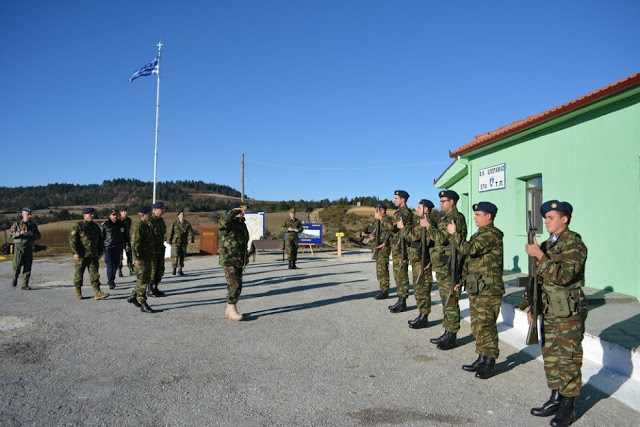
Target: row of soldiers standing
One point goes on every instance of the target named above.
(439, 244)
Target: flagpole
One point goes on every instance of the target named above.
(155, 153)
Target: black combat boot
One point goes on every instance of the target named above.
(419, 322)
(180, 273)
(133, 300)
(550, 407)
(157, 292)
(120, 273)
(14, 282)
(381, 295)
(131, 272)
(448, 342)
(293, 265)
(150, 290)
(486, 369)
(144, 307)
(399, 306)
(439, 339)
(475, 365)
(174, 271)
(566, 414)
(290, 264)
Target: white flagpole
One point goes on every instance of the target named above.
(155, 154)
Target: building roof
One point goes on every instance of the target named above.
(531, 121)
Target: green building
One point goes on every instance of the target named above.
(586, 152)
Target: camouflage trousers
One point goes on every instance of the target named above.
(179, 251)
(291, 248)
(562, 354)
(157, 266)
(484, 315)
(422, 287)
(143, 276)
(129, 259)
(94, 276)
(381, 257)
(233, 275)
(22, 258)
(451, 314)
(400, 272)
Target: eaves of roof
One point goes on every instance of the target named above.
(531, 121)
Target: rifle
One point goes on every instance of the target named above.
(423, 250)
(532, 292)
(454, 271)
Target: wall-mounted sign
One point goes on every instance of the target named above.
(492, 178)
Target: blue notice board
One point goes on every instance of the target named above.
(311, 235)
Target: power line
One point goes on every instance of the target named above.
(306, 167)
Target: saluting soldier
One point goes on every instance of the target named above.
(159, 229)
(381, 236)
(560, 269)
(403, 217)
(127, 248)
(292, 226)
(440, 260)
(87, 248)
(482, 278)
(24, 234)
(142, 246)
(422, 275)
(233, 241)
(179, 235)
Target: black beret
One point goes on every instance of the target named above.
(87, 211)
(180, 211)
(144, 209)
(402, 193)
(381, 206)
(158, 205)
(487, 207)
(124, 208)
(113, 212)
(28, 210)
(450, 194)
(554, 205)
(427, 203)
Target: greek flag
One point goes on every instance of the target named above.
(150, 68)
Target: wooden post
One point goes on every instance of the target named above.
(339, 236)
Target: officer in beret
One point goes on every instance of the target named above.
(482, 278)
(115, 236)
(560, 268)
(380, 241)
(24, 234)
(403, 217)
(142, 246)
(87, 247)
(420, 264)
(127, 249)
(440, 261)
(292, 226)
(159, 229)
(233, 255)
(179, 235)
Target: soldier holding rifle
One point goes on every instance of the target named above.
(382, 248)
(560, 267)
(403, 217)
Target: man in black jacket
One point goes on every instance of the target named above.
(115, 235)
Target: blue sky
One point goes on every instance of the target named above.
(326, 99)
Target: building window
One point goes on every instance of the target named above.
(534, 201)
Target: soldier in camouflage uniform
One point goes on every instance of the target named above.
(87, 248)
(127, 248)
(422, 276)
(24, 234)
(560, 270)
(233, 241)
(440, 257)
(403, 217)
(142, 248)
(482, 278)
(292, 227)
(381, 246)
(159, 229)
(179, 235)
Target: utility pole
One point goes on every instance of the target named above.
(242, 179)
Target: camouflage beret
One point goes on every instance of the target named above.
(427, 203)
(450, 194)
(487, 207)
(402, 193)
(28, 210)
(87, 211)
(124, 208)
(144, 209)
(381, 206)
(292, 210)
(158, 205)
(555, 205)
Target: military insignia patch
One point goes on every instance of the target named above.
(554, 205)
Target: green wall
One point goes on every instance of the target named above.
(590, 158)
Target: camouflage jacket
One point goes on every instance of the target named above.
(86, 240)
(233, 238)
(442, 239)
(407, 219)
(180, 232)
(159, 229)
(292, 223)
(22, 240)
(142, 241)
(563, 263)
(386, 229)
(484, 259)
(413, 235)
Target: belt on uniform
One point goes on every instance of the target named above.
(415, 245)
